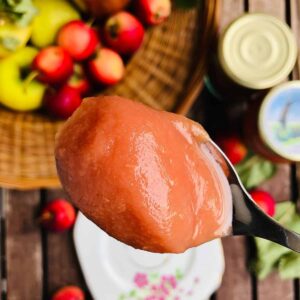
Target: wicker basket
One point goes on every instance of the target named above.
(166, 74)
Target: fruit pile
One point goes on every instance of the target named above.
(59, 216)
(52, 55)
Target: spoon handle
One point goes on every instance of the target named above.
(249, 219)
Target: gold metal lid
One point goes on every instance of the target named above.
(257, 51)
(279, 120)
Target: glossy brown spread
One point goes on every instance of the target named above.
(146, 177)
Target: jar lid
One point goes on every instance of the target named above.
(279, 120)
(257, 51)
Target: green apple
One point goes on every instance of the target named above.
(52, 15)
(13, 37)
(16, 92)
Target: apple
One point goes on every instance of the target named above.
(153, 12)
(69, 293)
(58, 215)
(79, 81)
(62, 103)
(264, 200)
(54, 65)
(107, 67)
(12, 37)
(18, 90)
(53, 14)
(100, 8)
(79, 39)
(233, 147)
(124, 33)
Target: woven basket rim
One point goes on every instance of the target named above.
(28, 184)
(193, 89)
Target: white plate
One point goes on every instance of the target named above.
(114, 271)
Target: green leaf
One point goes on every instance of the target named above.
(289, 266)
(9, 43)
(255, 170)
(153, 276)
(186, 3)
(271, 255)
(122, 297)
(178, 274)
(268, 255)
(21, 12)
(132, 293)
(28, 11)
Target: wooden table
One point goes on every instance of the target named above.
(34, 263)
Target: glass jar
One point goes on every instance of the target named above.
(272, 125)
(255, 52)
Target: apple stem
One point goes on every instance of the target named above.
(45, 217)
(31, 76)
(90, 22)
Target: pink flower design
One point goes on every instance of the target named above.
(154, 287)
(170, 279)
(196, 280)
(164, 289)
(141, 280)
(155, 298)
(176, 298)
(151, 298)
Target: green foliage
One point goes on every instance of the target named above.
(20, 12)
(254, 170)
(272, 256)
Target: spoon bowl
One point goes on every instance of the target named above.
(248, 219)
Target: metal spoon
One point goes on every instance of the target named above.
(250, 220)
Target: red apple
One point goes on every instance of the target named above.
(124, 33)
(153, 12)
(79, 81)
(233, 147)
(79, 39)
(264, 200)
(53, 64)
(107, 67)
(69, 293)
(101, 8)
(62, 103)
(58, 215)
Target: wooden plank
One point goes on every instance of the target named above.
(236, 284)
(273, 287)
(62, 264)
(298, 184)
(2, 251)
(230, 10)
(279, 186)
(297, 194)
(23, 245)
(274, 7)
(295, 24)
